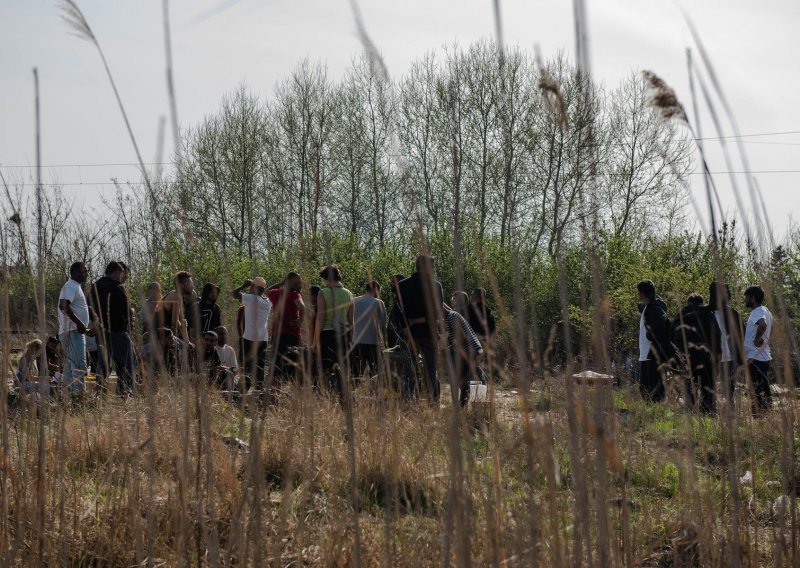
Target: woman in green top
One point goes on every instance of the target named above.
(334, 326)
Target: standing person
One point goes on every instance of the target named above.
(396, 328)
(287, 321)
(654, 346)
(757, 348)
(332, 332)
(210, 314)
(174, 304)
(696, 334)
(481, 319)
(731, 335)
(152, 314)
(227, 357)
(109, 301)
(313, 294)
(257, 308)
(463, 343)
(422, 299)
(369, 316)
(73, 322)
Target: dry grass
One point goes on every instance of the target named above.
(162, 477)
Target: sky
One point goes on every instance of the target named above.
(221, 44)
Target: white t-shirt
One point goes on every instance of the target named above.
(644, 343)
(256, 316)
(73, 292)
(227, 356)
(763, 353)
(725, 339)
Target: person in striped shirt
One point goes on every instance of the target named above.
(464, 345)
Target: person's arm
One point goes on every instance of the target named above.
(320, 320)
(301, 306)
(473, 343)
(761, 327)
(237, 294)
(351, 316)
(66, 306)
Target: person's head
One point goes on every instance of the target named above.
(222, 335)
(478, 296)
(314, 292)
(373, 289)
(330, 274)
(183, 282)
(78, 272)
(209, 339)
(294, 281)
(259, 286)
(165, 337)
(210, 293)
(52, 344)
(753, 297)
(126, 271)
(719, 294)
(116, 271)
(154, 291)
(646, 290)
(33, 348)
(459, 301)
(695, 300)
(426, 264)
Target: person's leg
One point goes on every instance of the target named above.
(645, 380)
(261, 363)
(759, 372)
(373, 358)
(427, 349)
(706, 385)
(122, 355)
(74, 345)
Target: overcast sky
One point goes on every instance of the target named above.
(219, 44)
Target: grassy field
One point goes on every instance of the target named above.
(180, 476)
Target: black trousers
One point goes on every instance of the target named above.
(427, 347)
(759, 374)
(702, 383)
(366, 354)
(284, 357)
(462, 372)
(333, 351)
(255, 361)
(650, 381)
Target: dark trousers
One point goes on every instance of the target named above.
(121, 354)
(462, 372)
(759, 373)
(97, 360)
(426, 347)
(650, 382)
(727, 377)
(702, 382)
(366, 354)
(284, 356)
(255, 360)
(333, 351)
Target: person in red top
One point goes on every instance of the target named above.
(287, 321)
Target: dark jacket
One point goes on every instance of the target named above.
(695, 333)
(421, 301)
(733, 322)
(483, 326)
(110, 303)
(657, 325)
(210, 316)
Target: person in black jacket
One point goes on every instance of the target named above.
(480, 316)
(696, 336)
(210, 315)
(112, 311)
(655, 350)
(421, 301)
(731, 335)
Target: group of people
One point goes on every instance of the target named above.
(337, 336)
(706, 344)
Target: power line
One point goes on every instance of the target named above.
(751, 135)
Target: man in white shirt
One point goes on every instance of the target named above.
(73, 319)
(227, 356)
(757, 349)
(257, 308)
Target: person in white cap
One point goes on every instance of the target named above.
(257, 308)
